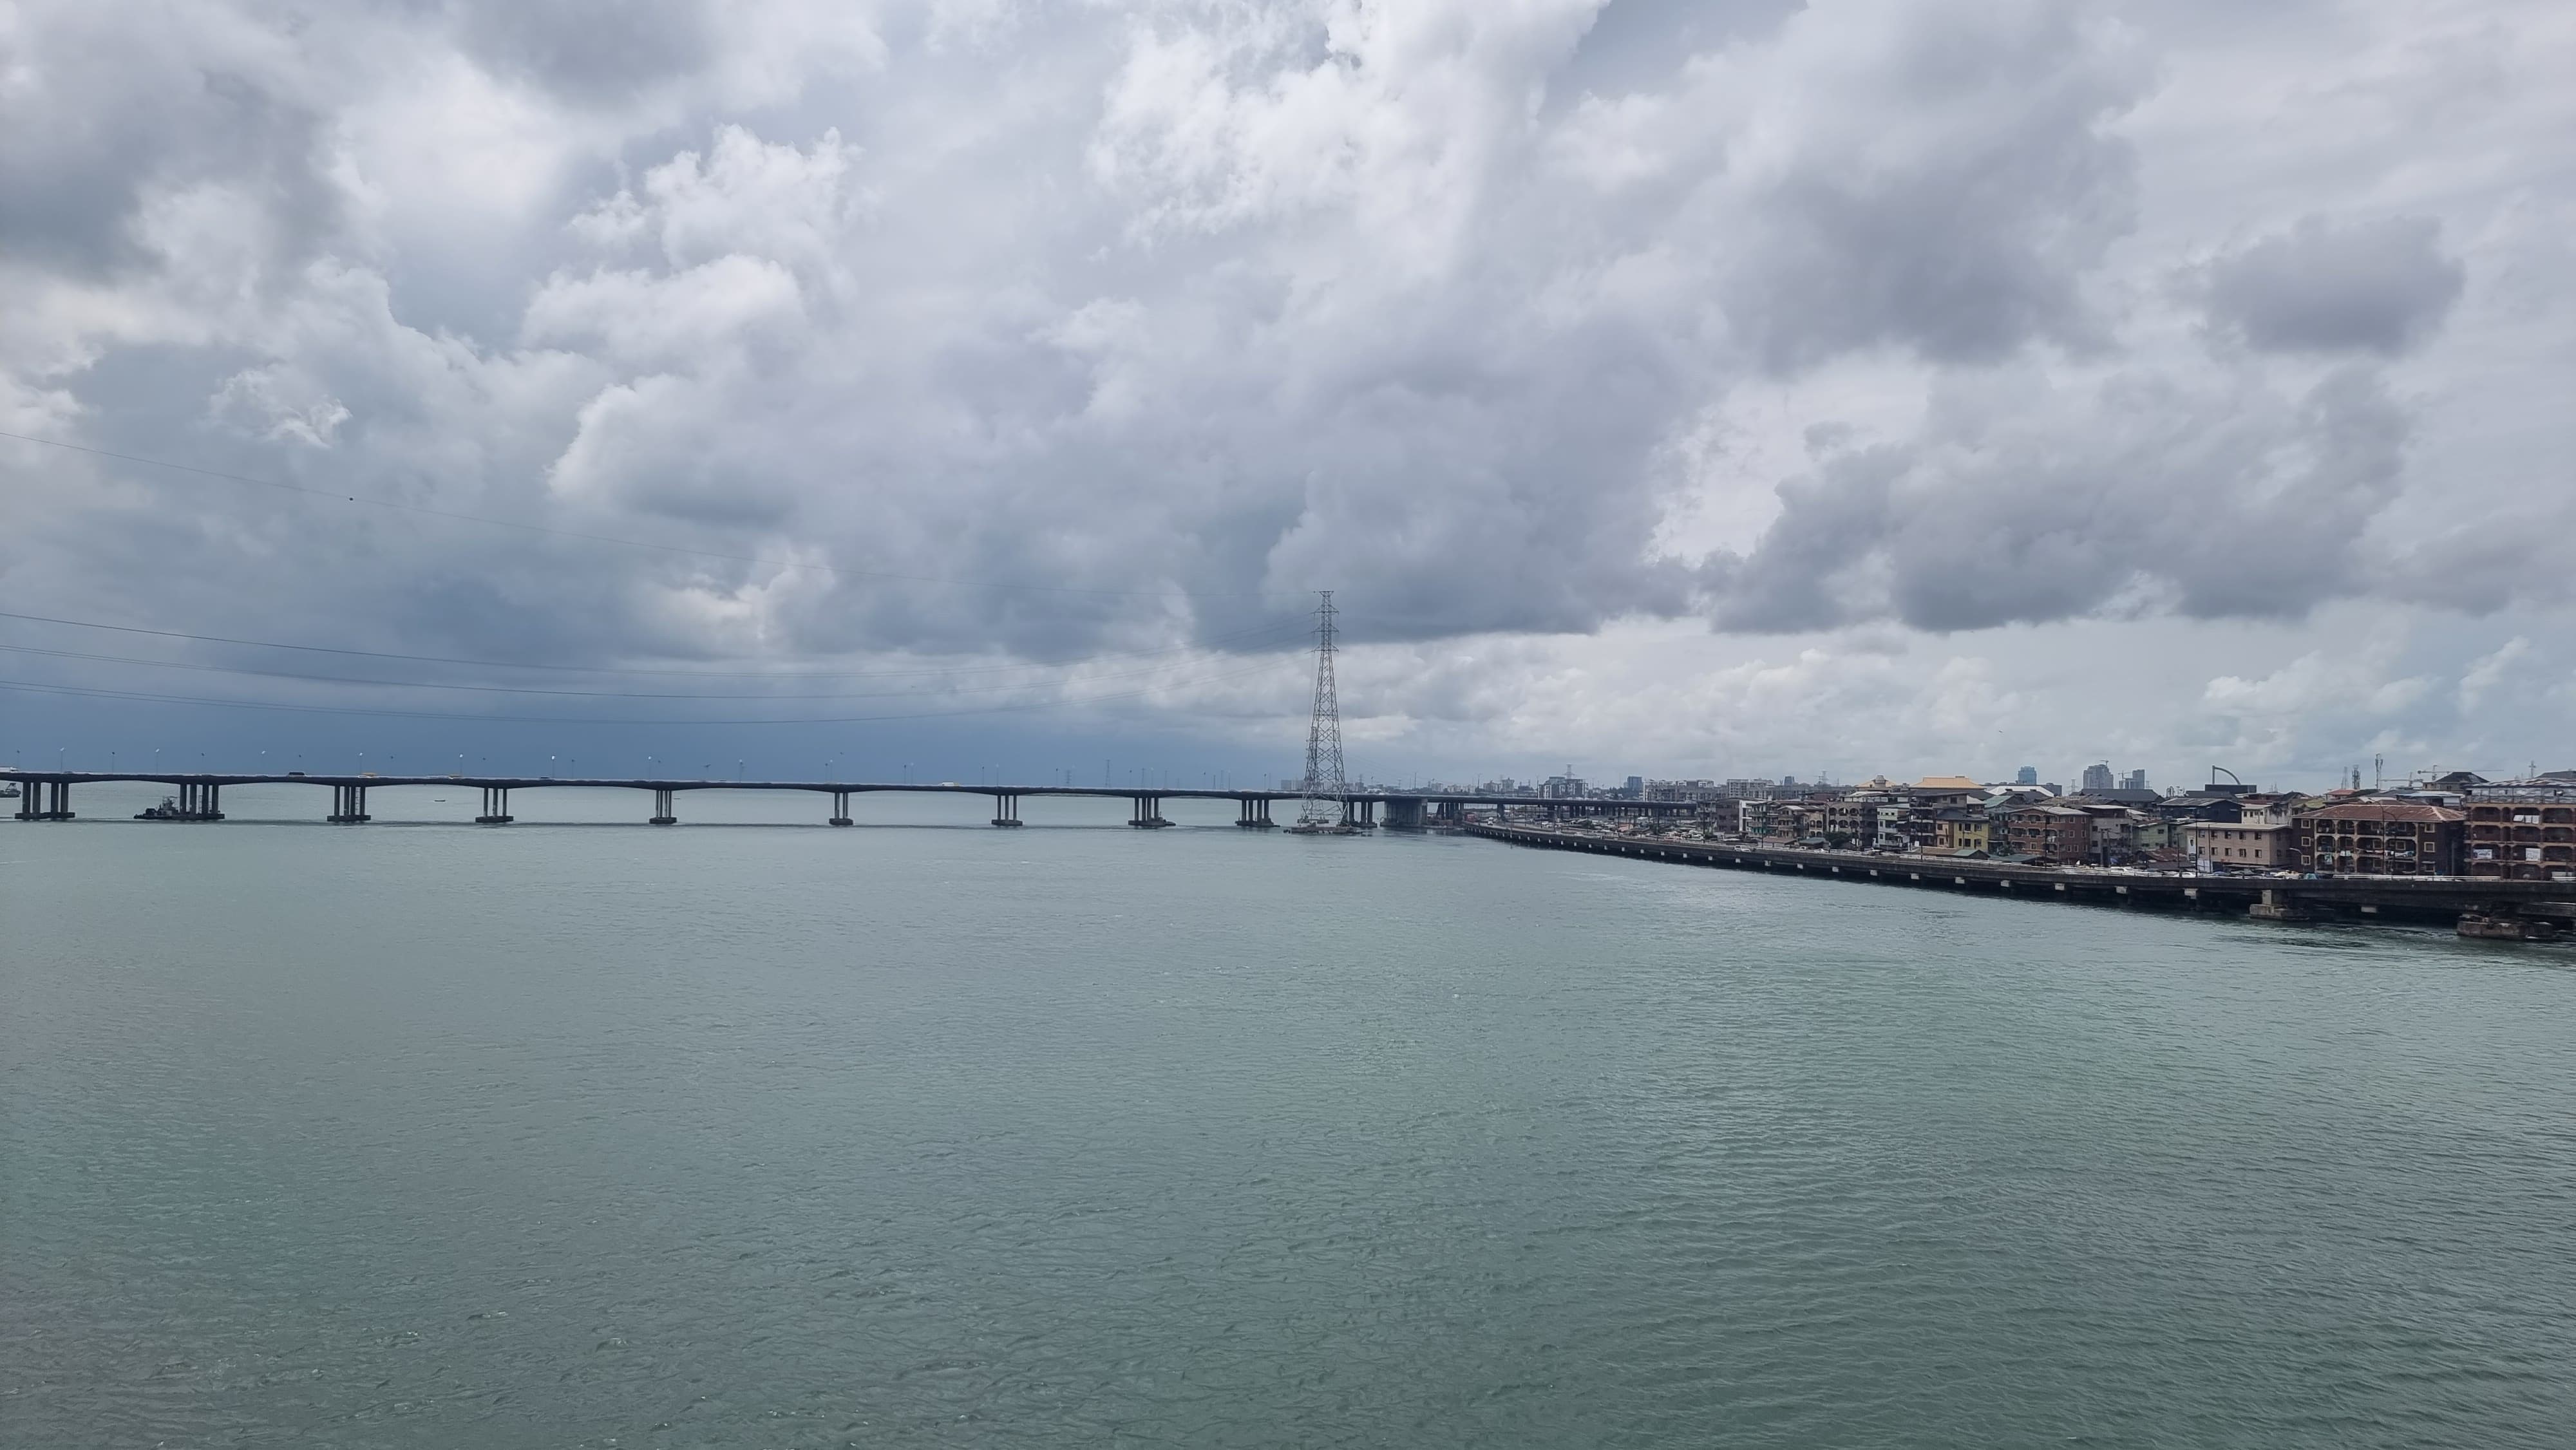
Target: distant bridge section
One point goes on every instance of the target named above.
(198, 796)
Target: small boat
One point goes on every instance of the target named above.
(168, 810)
(8, 790)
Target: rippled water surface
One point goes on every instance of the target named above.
(590, 1134)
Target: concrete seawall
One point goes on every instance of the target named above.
(2507, 910)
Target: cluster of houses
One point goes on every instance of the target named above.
(2456, 825)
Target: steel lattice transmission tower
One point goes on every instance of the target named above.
(1325, 807)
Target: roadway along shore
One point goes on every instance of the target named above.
(2477, 907)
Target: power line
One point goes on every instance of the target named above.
(1279, 628)
(31, 687)
(530, 689)
(551, 532)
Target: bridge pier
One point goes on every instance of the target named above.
(45, 800)
(1359, 815)
(1006, 809)
(1147, 813)
(196, 801)
(496, 806)
(840, 808)
(1253, 813)
(348, 805)
(2275, 906)
(665, 812)
(1403, 813)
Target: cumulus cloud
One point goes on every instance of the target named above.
(1940, 178)
(2491, 670)
(1039, 330)
(2021, 501)
(2378, 287)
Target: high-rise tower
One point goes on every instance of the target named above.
(1325, 807)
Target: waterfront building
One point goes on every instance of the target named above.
(2523, 830)
(2117, 833)
(2156, 839)
(2255, 833)
(2381, 837)
(1962, 830)
(2051, 835)
(2233, 844)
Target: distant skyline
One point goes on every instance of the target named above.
(1674, 389)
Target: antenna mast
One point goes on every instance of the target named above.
(1325, 806)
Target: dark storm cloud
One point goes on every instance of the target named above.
(2012, 507)
(2380, 286)
(1954, 204)
(589, 51)
(1049, 329)
(104, 112)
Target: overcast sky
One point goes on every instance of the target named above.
(1735, 387)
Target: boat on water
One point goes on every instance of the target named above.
(8, 790)
(168, 810)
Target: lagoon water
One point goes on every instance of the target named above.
(929, 1134)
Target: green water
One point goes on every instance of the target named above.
(590, 1135)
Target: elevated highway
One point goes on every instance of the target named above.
(198, 796)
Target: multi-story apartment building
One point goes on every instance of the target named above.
(2234, 844)
(1777, 819)
(1962, 829)
(2253, 832)
(1850, 820)
(2118, 834)
(2380, 837)
(2522, 830)
(2071, 833)
(2048, 834)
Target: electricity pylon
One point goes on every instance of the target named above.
(1325, 809)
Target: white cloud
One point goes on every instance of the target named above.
(2491, 670)
(1042, 329)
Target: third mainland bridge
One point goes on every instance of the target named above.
(198, 796)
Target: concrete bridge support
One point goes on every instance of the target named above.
(1403, 813)
(1006, 809)
(195, 801)
(348, 805)
(45, 800)
(665, 811)
(1147, 813)
(1360, 815)
(1252, 813)
(2275, 906)
(840, 808)
(496, 806)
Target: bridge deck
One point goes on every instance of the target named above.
(370, 781)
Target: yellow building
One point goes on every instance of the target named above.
(1963, 829)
